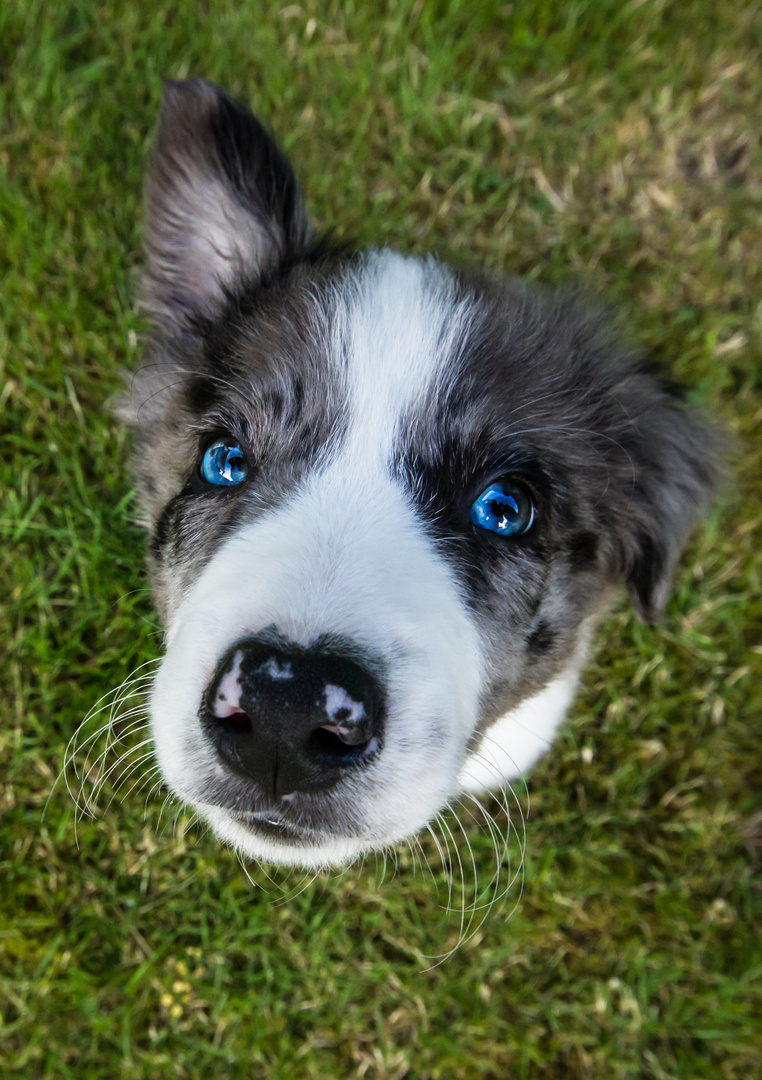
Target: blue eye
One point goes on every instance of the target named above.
(505, 508)
(223, 463)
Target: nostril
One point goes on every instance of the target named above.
(237, 723)
(348, 734)
(341, 744)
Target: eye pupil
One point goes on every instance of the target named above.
(223, 463)
(505, 511)
(505, 508)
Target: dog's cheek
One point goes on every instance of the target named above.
(183, 539)
(532, 625)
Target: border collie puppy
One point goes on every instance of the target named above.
(387, 499)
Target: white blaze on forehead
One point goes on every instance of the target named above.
(398, 324)
(228, 697)
(337, 700)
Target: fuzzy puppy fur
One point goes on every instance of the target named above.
(347, 647)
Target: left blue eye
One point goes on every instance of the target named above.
(505, 508)
(223, 463)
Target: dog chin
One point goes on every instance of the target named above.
(266, 839)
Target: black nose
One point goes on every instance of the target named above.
(293, 719)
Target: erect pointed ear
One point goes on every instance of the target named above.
(676, 462)
(222, 203)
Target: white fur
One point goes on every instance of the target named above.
(398, 323)
(519, 738)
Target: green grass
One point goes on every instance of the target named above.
(611, 142)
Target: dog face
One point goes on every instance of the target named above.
(386, 499)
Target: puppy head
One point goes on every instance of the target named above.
(385, 499)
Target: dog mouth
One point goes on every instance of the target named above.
(271, 825)
(289, 821)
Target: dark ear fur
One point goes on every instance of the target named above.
(676, 465)
(222, 203)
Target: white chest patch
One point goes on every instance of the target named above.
(519, 738)
(397, 324)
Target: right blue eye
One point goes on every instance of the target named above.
(223, 463)
(505, 508)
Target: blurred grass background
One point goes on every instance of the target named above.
(616, 143)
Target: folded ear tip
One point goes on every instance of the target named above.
(222, 202)
(188, 87)
(192, 98)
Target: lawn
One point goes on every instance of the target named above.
(614, 143)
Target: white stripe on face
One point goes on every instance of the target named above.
(398, 325)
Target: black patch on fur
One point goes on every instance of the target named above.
(445, 476)
(546, 393)
(647, 570)
(164, 527)
(258, 171)
(224, 213)
(202, 393)
(542, 639)
(583, 550)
